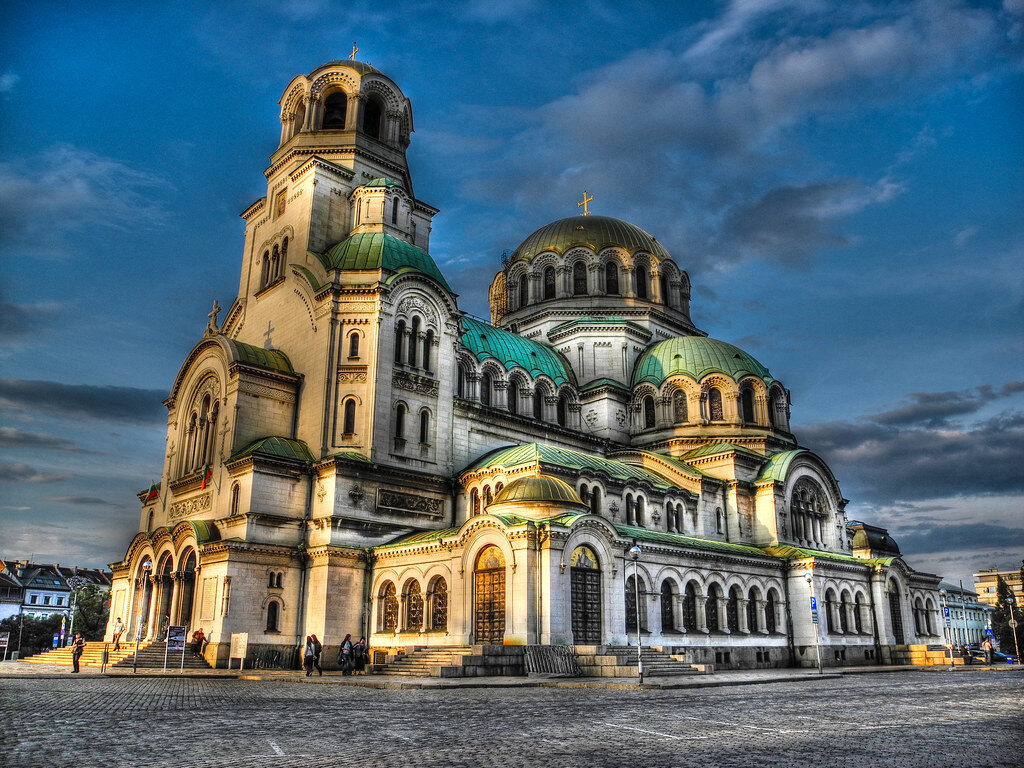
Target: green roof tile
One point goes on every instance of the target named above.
(383, 182)
(785, 552)
(510, 350)
(713, 448)
(695, 356)
(595, 232)
(538, 488)
(421, 537)
(376, 250)
(279, 447)
(540, 454)
(777, 467)
(603, 382)
(271, 359)
(643, 534)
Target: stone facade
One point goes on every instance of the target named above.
(348, 453)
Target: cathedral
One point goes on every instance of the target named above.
(348, 452)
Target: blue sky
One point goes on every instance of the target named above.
(844, 183)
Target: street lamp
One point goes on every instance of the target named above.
(634, 555)
(76, 583)
(809, 577)
(945, 626)
(146, 567)
(1011, 601)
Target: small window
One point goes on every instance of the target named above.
(648, 412)
(485, 388)
(400, 421)
(642, 281)
(538, 404)
(579, 279)
(279, 581)
(353, 344)
(663, 284)
(747, 404)
(394, 211)
(235, 494)
(549, 283)
(46, 600)
(562, 413)
(335, 107)
(428, 343)
(273, 616)
(715, 405)
(719, 521)
(400, 342)
(349, 422)
(424, 427)
(611, 279)
(513, 396)
(372, 118)
(414, 340)
(270, 581)
(524, 291)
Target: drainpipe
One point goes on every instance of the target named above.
(300, 617)
(786, 568)
(367, 601)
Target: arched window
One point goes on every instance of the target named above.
(679, 415)
(732, 610)
(595, 500)
(394, 211)
(487, 496)
(275, 263)
(270, 580)
(474, 502)
(235, 493)
(413, 599)
(349, 421)
(690, 608)
(400, 341)
(752, 599)
(642, 281)
(359, 210)
(670, 517)
(719, 521)
(334, 111)
(630, 510)
(858, 607)
(460, 381)
(437, 596)
(648, 412)
(844, 607)
(284, 252)
(273, 616)
(486, 384)
(896, 613)
(715, 412)
(149, 525)
(711, 607)
(513, 396)
(524, 291)
(562, 411)
(668, 614)
(538, 404)
(425, 427)
(611, 279)
(579, 279)
(204, 432)
(632, 586)
(549, 283)
(353, 344)
(769, 611)
(428, 342)
(279, 580)
(372, 118)
(400, 421)
(387, 607)
(663, 285)
(414, 341)
(265, 270)
(747, 404)
(641, 517)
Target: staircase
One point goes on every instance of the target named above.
(151, 656)
(427, 662)
(620, 661)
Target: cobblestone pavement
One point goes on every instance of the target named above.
(904, 720)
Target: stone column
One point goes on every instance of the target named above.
(352, 112)
(741, 614)
(702, 616)
(626, 287)
(865, 618)
(761, 614)
(723, 615)
(499, 394)
(851, 622)
(677, 612)
(154, 608)
(654, 289)
(176, 579)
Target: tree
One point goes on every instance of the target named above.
(1001, 617)
(36, 634)
(92, 609)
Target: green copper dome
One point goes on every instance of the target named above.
(595, 232)
(540, 488)
(376, 250)
(485, 341)
(695, 356)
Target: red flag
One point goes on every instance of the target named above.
(207, 476)
(154, 493)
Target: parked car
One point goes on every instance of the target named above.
(997, 657)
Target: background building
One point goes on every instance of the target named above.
(969, 617)
(985, 585)
(43, 590)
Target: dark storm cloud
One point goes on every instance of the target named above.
(23, 473)
(936, 408)
(20, 321)
(81, 500)
(17, 438)
(965, 536)
(123, 404)
(882, 463)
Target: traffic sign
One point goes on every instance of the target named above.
(814, 603)
(945, 611)
(989, 632)
(814, 615)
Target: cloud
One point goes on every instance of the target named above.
(19, 322)
(45, 199)
(965, 536)
(936, 408)
(23, 473)
(7, 82)
(122, 404)
(82, 500)
(16, 438)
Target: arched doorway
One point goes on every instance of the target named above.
(188, 590)
(585, 578)
(489, 609)
(896, 613)
(166, 585)
(143, 600)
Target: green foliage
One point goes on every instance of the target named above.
(1001, 617)
(91, 612)
(36, 634)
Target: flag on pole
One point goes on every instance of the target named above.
(207, 476)
(154, 493)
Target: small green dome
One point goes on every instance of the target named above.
(695, 356)
(510, 350)
(539, 488)
(595, 232)
(376, 250)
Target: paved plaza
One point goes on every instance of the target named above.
(904, 720)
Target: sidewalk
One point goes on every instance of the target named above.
(21, 670)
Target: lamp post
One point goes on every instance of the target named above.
(634, 555)
(146, 567)
(947, 630)
(1011, 601)
(809, 577)
(76, 583)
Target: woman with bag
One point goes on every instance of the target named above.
(360, 656)
(309, 655)
(345, 655)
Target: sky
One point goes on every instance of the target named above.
(843, 181)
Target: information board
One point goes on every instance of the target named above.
(5, 638)
(176, 638)
(239, 645)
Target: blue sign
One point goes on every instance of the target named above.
(989, 633)
(814, 603)
(945, 611)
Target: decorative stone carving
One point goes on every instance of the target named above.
(397, 502)
(356, 495)
(352, 376)
(187, 507)
(412, 382)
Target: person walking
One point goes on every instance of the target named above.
(360, 656)
(308, 655)
(118, 631)
(78, 648)
(988, 648)
(318, 649)
(345, 655)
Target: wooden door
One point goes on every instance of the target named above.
(586, 606)
(490, 607)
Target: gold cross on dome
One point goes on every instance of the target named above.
(583, 205)
(355, 50)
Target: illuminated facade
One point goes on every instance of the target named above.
(348, 452)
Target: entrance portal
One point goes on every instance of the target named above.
(586, 597)
(489, 610)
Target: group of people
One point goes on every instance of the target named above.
(352, 657)
(198, 643)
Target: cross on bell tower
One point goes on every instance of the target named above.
(583, 205)
(355, 50)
